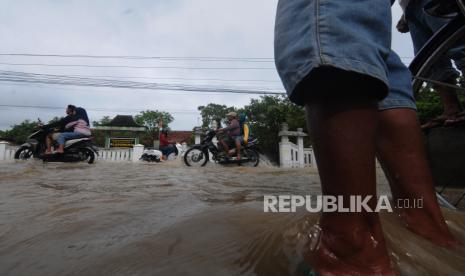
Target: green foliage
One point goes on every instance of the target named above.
(266, 116)
(103, 121)
(429, 104)
(151, 119)
(19, 133)
(214, 112)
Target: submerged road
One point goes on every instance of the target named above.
(168, 219)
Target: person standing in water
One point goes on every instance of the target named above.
(335, 58)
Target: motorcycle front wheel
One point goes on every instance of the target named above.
(24, 153)
(195, 157)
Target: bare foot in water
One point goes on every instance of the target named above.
(355, 252)
(421, 222)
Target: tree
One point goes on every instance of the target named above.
(429, 104)
(266, 115)
(19, 133)
(103, 121)
(151, 120)
(214, 112)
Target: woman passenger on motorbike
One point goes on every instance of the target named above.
(60, 125)
(77, 128)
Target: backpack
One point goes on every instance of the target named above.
(245, 128)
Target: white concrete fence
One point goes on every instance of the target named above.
(7, 153)
(294, 155)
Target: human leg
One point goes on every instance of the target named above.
(238, 143)
(340, 87)
(48, 143)
(399, 138)
(345, 154)
(224, 146)
(422, 27)
(66, 136)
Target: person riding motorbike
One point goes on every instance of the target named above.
(77, 128)
(166, 147)
(60, 125)
(233, 135)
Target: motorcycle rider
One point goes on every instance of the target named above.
(233, 135)
(60, 124)
(166, 147)
(77, 128)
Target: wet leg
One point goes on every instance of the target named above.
(401, 151)
(343, 134)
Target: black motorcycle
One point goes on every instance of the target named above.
(198, 155)
(76, 150)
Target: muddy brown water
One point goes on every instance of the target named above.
(168, 219)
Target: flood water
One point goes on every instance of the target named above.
(168, 219)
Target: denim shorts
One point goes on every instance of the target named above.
(64, 136)
(353, 36)
(422, 27)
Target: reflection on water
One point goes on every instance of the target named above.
(167, 219)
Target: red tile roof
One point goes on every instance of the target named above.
(179, 135)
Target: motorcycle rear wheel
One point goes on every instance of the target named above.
(87, 155)
(252, 158)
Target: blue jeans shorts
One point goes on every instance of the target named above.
(422, 27)
(352, 36)
(64, 136)
(167, 150)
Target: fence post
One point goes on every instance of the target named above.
(313, 159)
(3, 150)
(285, 158)
(300, 145)
(197, 133)
(137, 152)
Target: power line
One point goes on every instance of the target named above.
(196, 58)
(199, 58)
(169, 78)
(188, 79)
(22, 77)
(136, 67)
(99, 109)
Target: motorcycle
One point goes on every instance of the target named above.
(199, 154)
(152, 155)
(76, 150)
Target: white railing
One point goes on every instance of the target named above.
(309, 158)
(294, 162)
(7, 152)
(294, 155)
(115, 155)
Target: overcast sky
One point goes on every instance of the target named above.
(150, 28)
